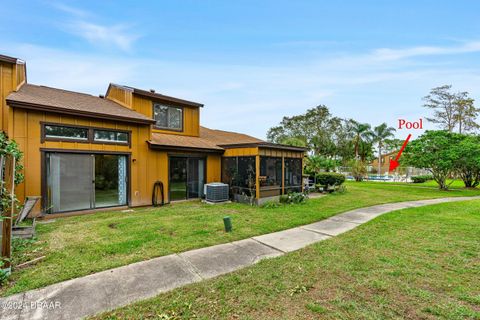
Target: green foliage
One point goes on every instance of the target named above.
(270, 205)
(380, 135)
(322, 133)
(316, 164)
(363, 134)
(422, 178)
(328, 179)
(467, 165)
(294, 141)
(4, 273)
(293, 198)
(435, 151)
(359, 169)
(452, 110)
(10, 147)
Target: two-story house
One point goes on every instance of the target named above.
(85, 152)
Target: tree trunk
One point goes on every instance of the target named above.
(356, 148)
(379, 159)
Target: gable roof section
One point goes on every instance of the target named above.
(158, 96)
(220, 137)
(213, 141)
(74, 103)
(8, 59)
(179, 142)
(227, 139)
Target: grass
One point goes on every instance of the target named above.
(78, 246)
(417, 263)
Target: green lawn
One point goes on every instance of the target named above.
(82, 245)
(417, 263)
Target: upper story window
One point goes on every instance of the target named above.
(168, 117)
(66, 132)
(110, 136)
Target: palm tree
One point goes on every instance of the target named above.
(379, 135)
(362, 132)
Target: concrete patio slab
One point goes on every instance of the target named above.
(291, 239)
(331, 227)
(220, 259)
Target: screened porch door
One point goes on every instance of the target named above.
(85, 181)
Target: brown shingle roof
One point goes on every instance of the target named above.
(69, 102)
(179, 141)
(213, 140)
(220, 137)
(227, 139)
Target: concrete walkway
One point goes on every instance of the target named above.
(110, 289)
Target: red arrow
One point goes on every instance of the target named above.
(394, 163)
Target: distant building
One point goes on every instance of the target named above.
(385, 162)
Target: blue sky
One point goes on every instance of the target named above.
(253, 62)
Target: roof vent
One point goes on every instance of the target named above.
(101, 96)
(152, 90)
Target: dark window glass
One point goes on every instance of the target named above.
(65, 132)
(239, 173)
(270, 172)
(293, 175)
(167, 117)
(113, 136)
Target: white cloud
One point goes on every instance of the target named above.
(97, 34)
(80, 23)
(396, 54)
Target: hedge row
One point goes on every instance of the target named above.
(327, 179)
(422, 179)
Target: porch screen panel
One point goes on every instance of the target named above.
(239, 174)
(270, 176)
(293, 175)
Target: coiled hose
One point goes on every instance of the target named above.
(156, 193)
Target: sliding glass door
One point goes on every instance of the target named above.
(69, 182)
(178, 179)
(186, 178)
(85, 181)
(196, 177)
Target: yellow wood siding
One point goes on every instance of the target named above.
(147, 166)
(7, 85)
(280, 153)
(21, 76)
(241, 152)
(214, 168)
(191, 115)
(121, 96)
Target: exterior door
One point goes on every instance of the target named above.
(178, 178)
(186, 178)
(196, 177)
(85, 181)
(69, 182)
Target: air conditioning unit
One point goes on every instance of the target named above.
(216, 192)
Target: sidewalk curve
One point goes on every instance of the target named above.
(110, 289)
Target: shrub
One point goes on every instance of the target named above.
(327, 179)
(270, 205)
(359, 170)
(421, 179)
(293, 198)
